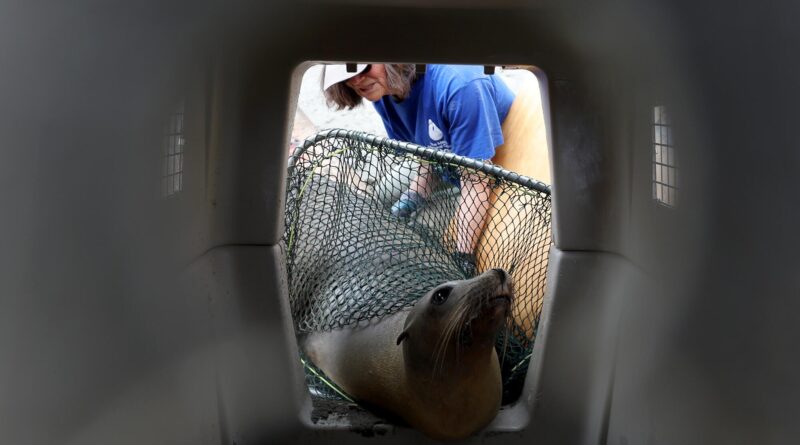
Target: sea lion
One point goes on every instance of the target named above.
(433, 365)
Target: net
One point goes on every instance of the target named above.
(354, 255)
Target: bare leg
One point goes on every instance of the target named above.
(424, 182)
(472, 210)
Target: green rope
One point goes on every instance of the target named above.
(324, 380)
(521, 362)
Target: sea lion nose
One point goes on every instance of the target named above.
(501, 274)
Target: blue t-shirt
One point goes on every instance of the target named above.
(450, 107)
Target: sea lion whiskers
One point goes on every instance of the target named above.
(440, 348)
(506, 332)
(454, 325)
(452, 329)
(461, 325)
(458, 325)
(440, 351)
(507, 327)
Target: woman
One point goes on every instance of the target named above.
(449, 107)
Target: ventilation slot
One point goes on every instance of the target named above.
(665, 171)
(173, 142)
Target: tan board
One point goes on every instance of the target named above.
(525, 134)
(525, 151)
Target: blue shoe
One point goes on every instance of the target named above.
(408, 203)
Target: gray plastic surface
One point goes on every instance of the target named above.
(128, 318)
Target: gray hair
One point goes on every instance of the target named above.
(399, 78)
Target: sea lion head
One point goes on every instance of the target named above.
(456, 320)
(450, 366)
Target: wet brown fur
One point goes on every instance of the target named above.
(433, 366)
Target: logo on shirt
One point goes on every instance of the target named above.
(434, 132)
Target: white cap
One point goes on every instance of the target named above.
(336, 73)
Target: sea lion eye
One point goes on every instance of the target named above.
(440, 295)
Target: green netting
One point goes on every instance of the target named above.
(350, 260)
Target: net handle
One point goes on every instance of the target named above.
(430, 154)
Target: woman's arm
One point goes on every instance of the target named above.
(472, 210)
